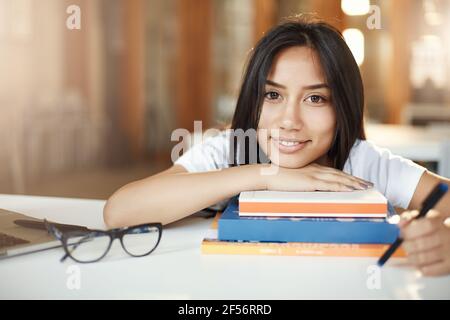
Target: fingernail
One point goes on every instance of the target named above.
(364, 185)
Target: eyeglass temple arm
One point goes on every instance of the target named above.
(63, 258)
(75, 245)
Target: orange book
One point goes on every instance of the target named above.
(211, 245)
(368, 203)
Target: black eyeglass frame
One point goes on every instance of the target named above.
(113, 234)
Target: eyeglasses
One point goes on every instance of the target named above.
(88, 246)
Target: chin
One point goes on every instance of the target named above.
(285, 162)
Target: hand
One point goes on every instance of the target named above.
(314, 177)
(427, 242)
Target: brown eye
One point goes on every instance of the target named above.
(316, 99)
(272, 95)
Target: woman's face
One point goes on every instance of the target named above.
(297, 113)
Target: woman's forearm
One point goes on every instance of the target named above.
(170, 197)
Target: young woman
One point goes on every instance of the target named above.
(302, 97)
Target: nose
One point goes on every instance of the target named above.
(290, 117)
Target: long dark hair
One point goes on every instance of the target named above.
(341, 72)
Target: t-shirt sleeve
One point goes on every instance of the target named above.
(209, 155)
(394, 176)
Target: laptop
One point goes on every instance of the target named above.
(21, 234)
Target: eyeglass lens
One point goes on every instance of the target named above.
(92, 246)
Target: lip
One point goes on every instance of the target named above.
(289, 139)
(289, 149)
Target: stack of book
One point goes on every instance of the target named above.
(304, 223)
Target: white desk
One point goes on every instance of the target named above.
(177, 269)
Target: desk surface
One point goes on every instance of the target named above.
(178, 270)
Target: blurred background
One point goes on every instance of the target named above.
(88, 105)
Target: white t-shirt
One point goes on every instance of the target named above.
(395, 177)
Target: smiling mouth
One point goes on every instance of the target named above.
(288, 142)
(289, 145)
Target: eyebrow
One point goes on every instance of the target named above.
(313, 86)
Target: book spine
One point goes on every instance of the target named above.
(313, 215)
(285, 230)
(297, 209)
(295, 249)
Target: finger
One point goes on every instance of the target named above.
(324, 185)
(426, 258)
(406, 217)
(410, 214)
(322, 169)
(432, 213)
(420, 228)
(337, 178)
(357, 181)
(402, 223)
(342, 177)
(422, 244)
(446, 222)
(436, 269)
(366, 182)
(349, 176)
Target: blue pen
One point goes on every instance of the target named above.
(433, 198)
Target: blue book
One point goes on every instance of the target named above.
(231, 226)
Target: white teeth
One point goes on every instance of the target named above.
(289, 143)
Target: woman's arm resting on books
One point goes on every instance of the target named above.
(427, 241)
(175, 193)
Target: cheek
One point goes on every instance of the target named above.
(265, 118)
(262, 136)
(321, 123)
(264, 125)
